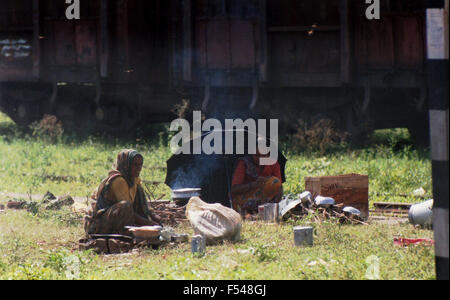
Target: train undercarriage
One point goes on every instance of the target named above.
(121, 109)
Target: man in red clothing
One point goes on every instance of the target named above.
(254, 184)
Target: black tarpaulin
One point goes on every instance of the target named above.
(212, 173)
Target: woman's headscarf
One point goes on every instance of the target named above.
(121, 167)
(123, 164)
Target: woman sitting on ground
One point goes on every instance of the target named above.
(254, 184)
(119, 199)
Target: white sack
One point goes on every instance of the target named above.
(214, 221)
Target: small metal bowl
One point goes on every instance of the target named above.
(352, 211)
(324, 201)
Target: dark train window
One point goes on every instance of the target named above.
(302, 13)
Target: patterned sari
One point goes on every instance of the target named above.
(268, 189)
(108, 216)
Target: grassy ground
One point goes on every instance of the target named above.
(40, 245)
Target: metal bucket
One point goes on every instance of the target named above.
(303, 236)
(421, 214)
(180, 238)
(261, 212)
(198, 244)
(271, 212)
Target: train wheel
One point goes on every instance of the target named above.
(420, 134)
(115, 118)
(24, 102)
(356, 122)
(23, 113)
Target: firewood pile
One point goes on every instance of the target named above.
(169, 212)
(172, 215)
(320, 214)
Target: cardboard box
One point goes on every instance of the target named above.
(350, 189)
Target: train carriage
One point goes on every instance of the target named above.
(126, 62)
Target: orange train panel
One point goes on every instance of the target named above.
(409, 41)
(380, 43)
(395, 41)
(200, 40)
(218, 45)
(64, 43)
(86, 45)
(226, 44)
(242, 44)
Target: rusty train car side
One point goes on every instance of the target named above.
(127, 62)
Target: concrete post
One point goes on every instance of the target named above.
(437, 73)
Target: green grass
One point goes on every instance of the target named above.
(76, 165)
(72, 166)
(392, 176)
(41, 245)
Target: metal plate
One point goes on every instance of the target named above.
(289, 207)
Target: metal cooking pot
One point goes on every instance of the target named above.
(182, 196)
